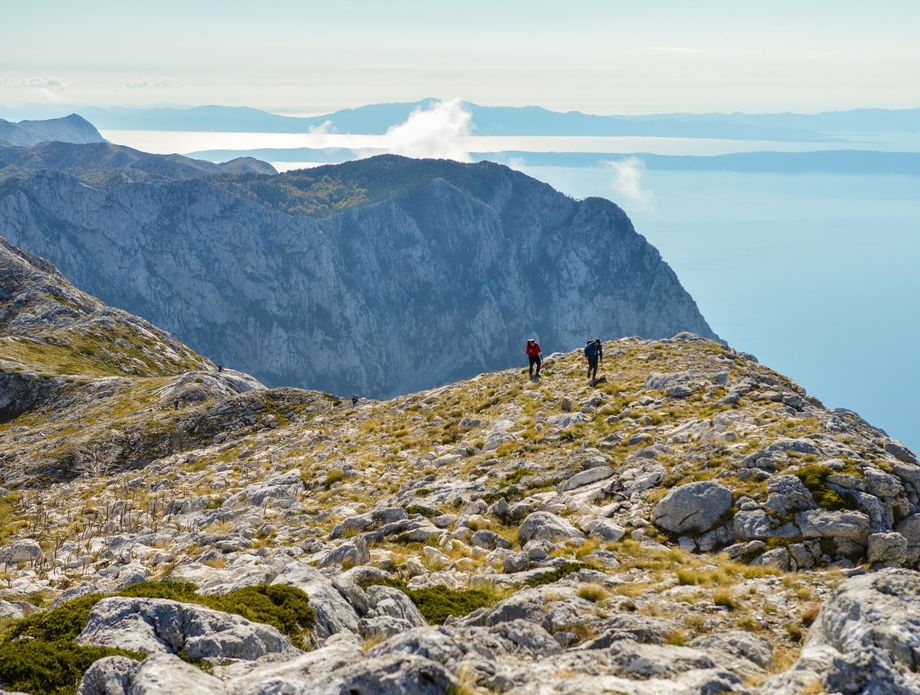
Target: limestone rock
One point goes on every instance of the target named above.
(161, 626)
(864, 640)
(693, 507)
(821, 523)
(547, 526)
(158, 674)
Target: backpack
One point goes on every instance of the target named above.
(589, 350)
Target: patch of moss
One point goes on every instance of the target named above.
(437, 604)
(55, 667)
(59, 624)
(560, 572)
(814, 477)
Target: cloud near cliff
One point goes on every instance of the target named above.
(438, 131)
(627, 180)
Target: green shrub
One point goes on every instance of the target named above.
(512, 493)
(38, 653)
(62, 623)
(437, 604)
(814, 477)
(286, 608)
(53, 667)
(560, 572)
(173, 590)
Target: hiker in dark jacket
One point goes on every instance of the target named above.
(594, 351)
(534, 356)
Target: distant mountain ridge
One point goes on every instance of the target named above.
(377, 276)
(835, 161)
(506, 120)
(72, 128)
(104, 163)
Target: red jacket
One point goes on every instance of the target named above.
(533, 349)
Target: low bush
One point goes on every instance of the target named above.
(437, 604)
(814, 477)
(592, 592)
(38, 653)
(58, 624)
(560, 572)
(54, 667)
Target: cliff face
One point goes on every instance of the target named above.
(418, 273)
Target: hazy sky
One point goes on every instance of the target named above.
(603, 57)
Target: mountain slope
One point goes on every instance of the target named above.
(375, 277)
(107, 387)
(497, 534)
(72, 128)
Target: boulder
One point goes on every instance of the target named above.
(111, 675)
(587, 476)
(603, 529)
(351, 553)
(333, 613)
(547, 526)
(693, 507)
(159, 674)
(488, 540)
(389, 674)
(162, 626)
(374, 519)
(25, 550)
(292, 675)
(389, 601)
(910, 529)
(900, 452)
(887, 547)
(821, 523)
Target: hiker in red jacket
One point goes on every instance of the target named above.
(535, 356)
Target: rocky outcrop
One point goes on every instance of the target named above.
(161, 626)
(866, 640)
(422, 273)
(693, 507)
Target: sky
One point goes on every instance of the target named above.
(595, 56)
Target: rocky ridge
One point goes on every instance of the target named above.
(694, 522)
(72, 128)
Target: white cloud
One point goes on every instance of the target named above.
(323, 128)
(438, 132)
(161, 83)
(627, 180)
(33, 82)
(676, 49)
